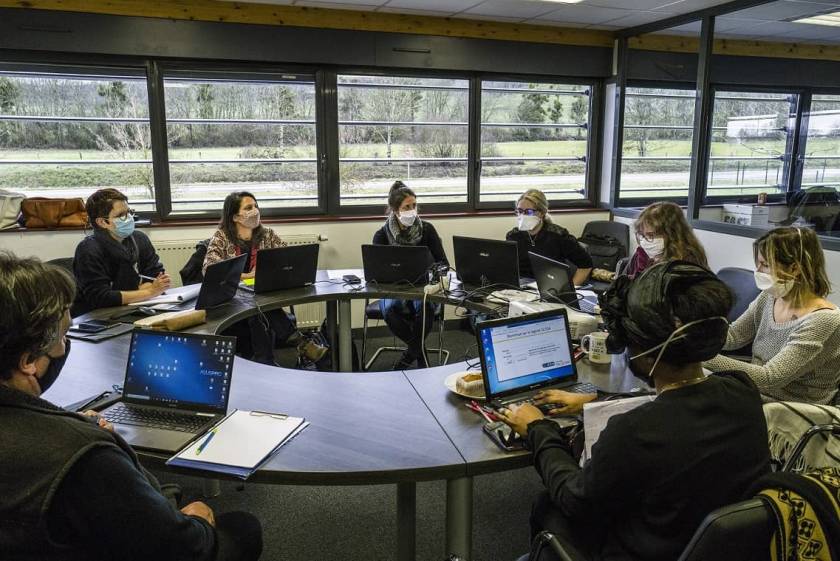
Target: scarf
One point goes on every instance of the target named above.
(403, 236)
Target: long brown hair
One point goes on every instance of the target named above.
(233, 202)
(795, 254)
(667, 220)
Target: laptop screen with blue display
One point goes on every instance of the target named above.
(177, 369)
(525, 352)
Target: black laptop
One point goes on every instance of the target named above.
(394, 264)
(176, 386)
(554, 279)
(285, 267)
(524, 354)
(481, 262)
(220, 282)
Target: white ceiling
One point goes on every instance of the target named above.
(766, 22)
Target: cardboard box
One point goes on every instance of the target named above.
(746, 215)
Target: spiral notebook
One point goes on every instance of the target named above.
(239, 443)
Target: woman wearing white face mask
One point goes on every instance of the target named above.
(794, 330)
(663, 234)
(535, 232)
(404, 227)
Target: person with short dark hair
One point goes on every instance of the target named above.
(658, 470)
(537, 233)
(72, 488)
(404, 317)
(116, 264)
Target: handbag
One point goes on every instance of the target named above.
(42, 212)
(9, 208)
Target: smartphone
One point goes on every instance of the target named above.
(352, 279)
(91, 326)
(503, 436)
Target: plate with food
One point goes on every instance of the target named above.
(466, 384)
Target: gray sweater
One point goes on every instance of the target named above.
(797, 360)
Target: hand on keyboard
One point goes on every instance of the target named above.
(562, 402)
(99, 420)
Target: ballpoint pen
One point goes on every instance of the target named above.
(207, 440)
(147, 277)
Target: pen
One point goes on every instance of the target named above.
(477, 408)
(147, 277)
(207, 440)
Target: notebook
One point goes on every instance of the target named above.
(176, 386)
(240, 443)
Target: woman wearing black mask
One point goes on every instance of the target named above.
(658, 470)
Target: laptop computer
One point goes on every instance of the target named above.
(176, 386)
(524, 354)
(220, 282)
(392, 264)
(481, 262)
(285, 267)
(554, 281)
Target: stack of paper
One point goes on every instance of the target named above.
(239, 443)
(597, 413)
(173, 296)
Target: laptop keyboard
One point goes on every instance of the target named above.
(580, 387)
(586, 306)
(126, 415)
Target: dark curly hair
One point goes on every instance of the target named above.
(33, 298)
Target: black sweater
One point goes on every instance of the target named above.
(552, 241)
(104, 267)
(430, 239)
(658, 470)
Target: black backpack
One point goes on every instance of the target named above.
(604, 250)
(191, 273)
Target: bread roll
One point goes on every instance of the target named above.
(470, 384)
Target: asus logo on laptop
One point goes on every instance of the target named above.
(395, 265)
(550, 276)
(288, 268)
(483, 254)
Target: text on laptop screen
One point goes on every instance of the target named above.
(522, 354)
(171, 368)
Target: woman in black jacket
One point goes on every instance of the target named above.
(404, 227)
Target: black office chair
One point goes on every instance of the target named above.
(617, 230)
(63, 262)
(374, 312)
(742, 283)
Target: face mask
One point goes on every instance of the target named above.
(54, 368)
(653, 248)
(526, 223)
(124, 227)
(627, 362)
(662, 346)
(407, 217)
(775, 287)
(250, 218)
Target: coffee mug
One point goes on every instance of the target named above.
(595, 346)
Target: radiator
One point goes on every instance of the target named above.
(174, 254)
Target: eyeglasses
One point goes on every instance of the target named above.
(647, 237)
(525, 211)
(123, 215)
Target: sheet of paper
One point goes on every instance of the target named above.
(173, 295)
(597, 413)
(243, 440)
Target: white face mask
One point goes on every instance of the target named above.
(526, 223)
(407, 217)
(777, 288)
(653, 248)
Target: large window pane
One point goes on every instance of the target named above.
(229, 135)
(816, 203)
(406, 128)
(533, 135)
(656, 158)
(67, 135)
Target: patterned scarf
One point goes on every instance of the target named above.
(403, 236)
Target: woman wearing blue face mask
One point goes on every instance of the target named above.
(656, 471)
(794, 330)
(111, 263)
(404, 227)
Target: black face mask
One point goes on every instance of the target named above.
(54, 368)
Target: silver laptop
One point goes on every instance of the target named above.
(176, 386)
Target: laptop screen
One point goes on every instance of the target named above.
(527, 352)
(177, 369)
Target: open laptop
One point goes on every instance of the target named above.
(524, 354)
(392, 264)
(176, 386)
(481, 262)
(220, 282)
(285, 267)
(554, 281)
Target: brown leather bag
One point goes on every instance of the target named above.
(42, 212)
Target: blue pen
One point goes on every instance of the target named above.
(207, 440)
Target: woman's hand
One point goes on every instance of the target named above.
(519, 417)
(569, 403)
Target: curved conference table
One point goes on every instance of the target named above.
(366, 428)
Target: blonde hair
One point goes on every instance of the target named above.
(538, 199)
(667, 220)
(795, 254)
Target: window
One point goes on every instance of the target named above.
(255, 134)
(69, 134)
(407, 128)
(533, 135)
(656, 155)
(821, 157)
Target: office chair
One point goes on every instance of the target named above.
(63, 262)
(617, 230)
(742, 283)
(373, 311)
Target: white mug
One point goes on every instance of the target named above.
(595, 346)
